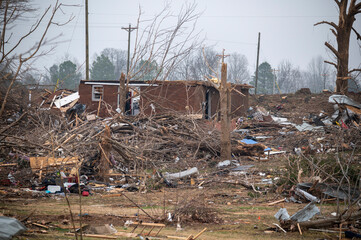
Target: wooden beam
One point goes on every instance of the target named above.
(94, 236)
(344, 78)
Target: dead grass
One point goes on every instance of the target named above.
(241, 221)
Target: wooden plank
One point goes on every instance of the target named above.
(275, 202)
(113, 195)
(46, 90)
(93, 236)
(125, 234)
(149, 224)
(40, 225)
(344, 78)
(8, 164)
(190, 237)
(175, 237)
(39, 163)
(200, 233)
(299, 228)
(354, 109)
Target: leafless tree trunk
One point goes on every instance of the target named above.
(9, 59)
(159, 48)
(225, 97)
(238, 68)
(122, 93)
(342, 31)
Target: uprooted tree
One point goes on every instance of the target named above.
(347, 12)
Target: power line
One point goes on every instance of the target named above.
(72, 35)
(245, 43)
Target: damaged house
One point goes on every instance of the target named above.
(156, 97)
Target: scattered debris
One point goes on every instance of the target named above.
(186, 173)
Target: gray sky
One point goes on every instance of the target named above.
(286, 26)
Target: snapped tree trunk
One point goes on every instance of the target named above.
(122, 93)
(342, 31)
(343, 41)
(225, 115)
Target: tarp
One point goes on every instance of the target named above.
(248, 141)
(342, 99)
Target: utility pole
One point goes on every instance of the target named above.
(259, 40)
(223, 56)
(129, 30)
(86, 42)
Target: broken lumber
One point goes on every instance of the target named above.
(40, 225)
(8, 164)
(330, 221)
(93, 236)
(276, 202)
(39, 163)
(125, 234)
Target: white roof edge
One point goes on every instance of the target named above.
(117, 84)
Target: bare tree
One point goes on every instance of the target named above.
(164, 44)
(347, 16)
(238, 68)
(318, 74)
(118, 58)
(199, 68)
(289, 77)
(13, 63)
(194, 66)
(161, 44)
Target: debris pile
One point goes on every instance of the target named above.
(47, 154)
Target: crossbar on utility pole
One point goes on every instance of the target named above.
(129, 30)
(223, 56)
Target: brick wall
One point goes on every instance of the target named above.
(170, 98)
(110, 96)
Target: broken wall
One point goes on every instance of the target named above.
(172, 97)
(110, 96)
(239, 103)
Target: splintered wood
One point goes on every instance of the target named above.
(44, 163)
(105, 148)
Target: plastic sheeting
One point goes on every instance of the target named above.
(170, 176)
(342, 99)
(10, 227)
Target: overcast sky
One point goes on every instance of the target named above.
(286, 26)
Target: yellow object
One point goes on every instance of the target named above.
(215, 80)
(193, 182)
